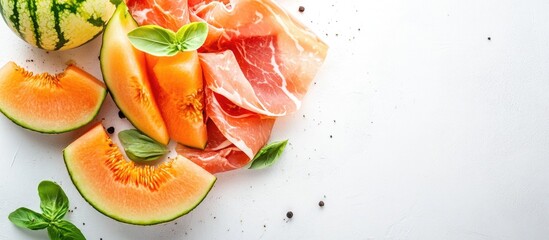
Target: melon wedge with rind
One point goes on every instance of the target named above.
(132, 193)
(49, 103)
(125, 74)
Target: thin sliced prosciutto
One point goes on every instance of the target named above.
(170, 14)
(258, 63)
(235, 135)
(277, 56)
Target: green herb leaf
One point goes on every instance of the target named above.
(154, 40)
(191, 36)
(64, 230)
(115, 2)
(268, 155)
(55, 204)
(53, 201)
(26, 218)
(140, 147)
(54, 233)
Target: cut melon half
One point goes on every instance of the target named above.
(131, 193)
(50, 103)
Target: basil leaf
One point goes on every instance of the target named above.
(64, 230)
(115, 2)
(268, 155)
(154, 40)
(191, 36)
(140, 147)
(54, 233)
(53, 201)
(26, 218)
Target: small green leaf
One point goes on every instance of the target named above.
(53, 201)
(54, 233)
(140, 147)
(26, 218)
(268, 155)
(191, 36)
(154, 40)
(115, 2)
(64, 230)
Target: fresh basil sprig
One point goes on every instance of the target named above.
(268, 155)
(53, 201)
(139, 147)
(64, 230)
(54, 204)
(159, 41)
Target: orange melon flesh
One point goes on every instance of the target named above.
(130, 193)
(124, 72)
(178, 88)
(50, 103)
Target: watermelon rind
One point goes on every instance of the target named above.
(56, 25)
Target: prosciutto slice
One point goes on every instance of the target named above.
(277, 56)
(170, 14)
(258, 63)
(235, 135)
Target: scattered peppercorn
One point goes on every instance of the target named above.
(301, 9)
(121, 114)
(489, 39)
(289, 214)
(110, 130)
(321, 203)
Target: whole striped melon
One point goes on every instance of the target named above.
(56, 24)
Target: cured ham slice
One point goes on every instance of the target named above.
(170, 14)
(257, 62)
(277, 56)
(235, 135)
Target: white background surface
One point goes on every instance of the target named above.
(437, 133)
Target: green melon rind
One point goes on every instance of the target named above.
(63, 130)
(125, 220)
(30, 21)
(124, 9)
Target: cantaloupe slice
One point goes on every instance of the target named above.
(124, 72)
(50, 103)
(131, 193)
(178, 86)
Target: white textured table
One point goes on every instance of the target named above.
(429, 120)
